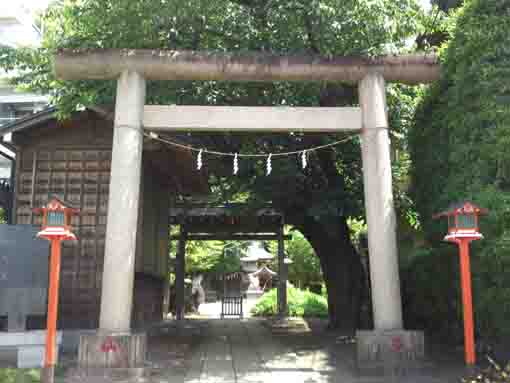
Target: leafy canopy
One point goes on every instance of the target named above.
(326, 27)
(305, 269)
(330, 189)
(214, 257)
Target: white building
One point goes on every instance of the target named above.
(255, 255)
(5, 168)
(17, 29)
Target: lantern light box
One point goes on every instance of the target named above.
(463, 220)
(56, 220)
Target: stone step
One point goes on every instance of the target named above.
(107, 375)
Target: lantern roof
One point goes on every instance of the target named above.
(264, 271)
(56, 203)
(465, 207)
(256, 253)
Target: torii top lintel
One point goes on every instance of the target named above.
(255, 66)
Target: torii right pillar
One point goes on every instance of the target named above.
(388, 342)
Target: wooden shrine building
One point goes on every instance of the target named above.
(71, 160)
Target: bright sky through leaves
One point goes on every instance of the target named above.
(41, 4)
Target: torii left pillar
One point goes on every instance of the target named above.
(114, 340)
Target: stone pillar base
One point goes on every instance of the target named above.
(380, 351)
(103, 350)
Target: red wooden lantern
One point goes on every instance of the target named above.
(463, 227)
(463, 221)
(56, 228)
(56, 220)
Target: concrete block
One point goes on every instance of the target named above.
(31, 356)
(253, 295)
(71, 339)
(30, 346)
(380, 349)
(18, 303)
(8, 357)
(26, 338)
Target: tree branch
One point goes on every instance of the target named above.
(314, 45)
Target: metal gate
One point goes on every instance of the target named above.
(232, 306)
(232, 299)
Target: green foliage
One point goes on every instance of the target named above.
(305, 269)
(491, 284)
(432, 296)
(327, 27)
(3, 216)
(428, 300)
(462, 122)
(459, 149)
(301, 303)
(16, 375)
(203, 256)
(212, 256)
(267, 304)
(492, 374)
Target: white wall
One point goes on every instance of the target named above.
(5, 168)
(17, 30)
(17, 26)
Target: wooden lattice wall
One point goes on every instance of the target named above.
(72, 161)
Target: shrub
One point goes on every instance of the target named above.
(459, 150)
(493, 374)
(14, 375)
(301, 303)
(432, 299)
(431, 303)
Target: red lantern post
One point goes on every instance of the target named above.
(462, 229)
(56, 228)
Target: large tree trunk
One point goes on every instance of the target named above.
(341, 268)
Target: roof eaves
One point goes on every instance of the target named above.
(5, 155)
(29, 121)
(7, 145)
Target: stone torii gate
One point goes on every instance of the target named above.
(132, 68)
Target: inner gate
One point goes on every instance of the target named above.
(233, 222)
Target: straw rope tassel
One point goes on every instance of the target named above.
(236, 164)
(303, 159)
(199, 160)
